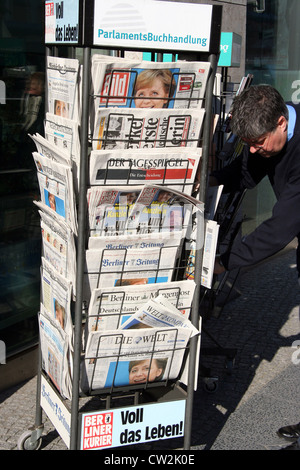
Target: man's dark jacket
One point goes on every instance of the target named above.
(283, 171)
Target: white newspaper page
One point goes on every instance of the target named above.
(56, 292)
(125, 83)
(109, 268)
(140, 209)
(56, 188)
(133, 357)
(58, 246)
(62, 84)
(64, 134)
(128, 242)
(174, 168)
(54, 349)
(141, 128)
(108, 209)
(109, 308)
(209, 253)
(158, 313)
(159, 208)
(49, 150)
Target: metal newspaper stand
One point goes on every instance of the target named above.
(167, 397)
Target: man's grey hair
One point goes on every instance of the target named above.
(256, 111)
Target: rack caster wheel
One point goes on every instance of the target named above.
(30, 439)
(211, 384)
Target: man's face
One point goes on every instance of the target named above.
(272, 143)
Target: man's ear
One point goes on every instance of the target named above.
(282, 123)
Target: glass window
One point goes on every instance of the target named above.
(272, 46)
(21, 112)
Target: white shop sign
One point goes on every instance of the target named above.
(149, 24)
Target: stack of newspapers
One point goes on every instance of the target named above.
(145, 131)
(57, 163)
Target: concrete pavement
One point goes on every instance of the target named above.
(259, 396)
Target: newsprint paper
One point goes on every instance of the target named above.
(141, 128)
(63, 87)
(55, 353)
(109, 308)
(120, 82)
(56, 188)
(175, 168)
(112, 357)
(109, 268)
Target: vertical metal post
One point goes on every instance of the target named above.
(207, 131)
(38, 408)
(81, 245)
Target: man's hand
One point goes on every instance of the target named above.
(219, 268)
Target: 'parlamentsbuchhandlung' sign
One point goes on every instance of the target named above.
(152, 25)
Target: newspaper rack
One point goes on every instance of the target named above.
(79, 419)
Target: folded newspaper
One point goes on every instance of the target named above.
(175, 168)
(133, 357)
(56, 188)
(119, 267)
(63, 87)
(110, 307)
(127, 83)
(58, 244)
(51, 151)
(63, 133)
(56, 294)
(158, 313)
(139, 209)
(128, 242)
(55, 353)
(141, 128)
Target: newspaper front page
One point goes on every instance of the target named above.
(175, 168)
(49, 150)
(56, 188)
(158, 313)
(134, 84)
(110, 307)
(115, 358)
(56, 295)
(58, 245)
(55, 353)
(141, 128)
(118, 267)
(139, 210)
(63, 133)
(62, 87)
